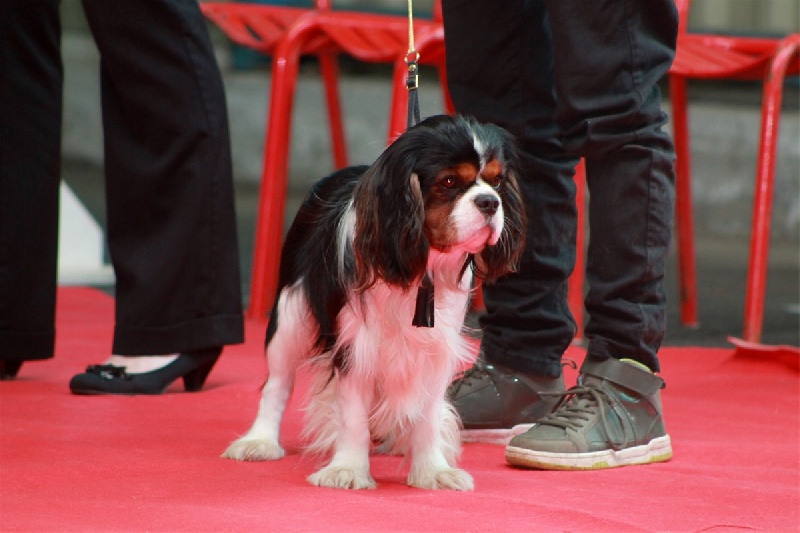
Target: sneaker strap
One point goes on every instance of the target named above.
(625, 375)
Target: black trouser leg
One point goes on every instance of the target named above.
(609, 56)
(171, 221)
(500, 69)
(574, 79)
(30, 147)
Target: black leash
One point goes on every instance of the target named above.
(424, 309)
(412, 79)
(412, 83)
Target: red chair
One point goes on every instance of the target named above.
(288, 33)
(260, 27)
(734, 58)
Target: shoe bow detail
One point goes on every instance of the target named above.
(108, 372)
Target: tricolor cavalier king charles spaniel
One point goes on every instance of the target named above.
(375, 281)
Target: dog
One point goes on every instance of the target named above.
(375, 281)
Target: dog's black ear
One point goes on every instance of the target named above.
(389, 242)
(504, 256)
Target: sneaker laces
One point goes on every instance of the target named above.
(577, 407)
(478, 370)
(466, 377)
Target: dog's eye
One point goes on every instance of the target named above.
(449, 182)
(496, 181)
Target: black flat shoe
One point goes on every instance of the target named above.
(193, 367)
(9, 369)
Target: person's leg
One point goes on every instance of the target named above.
(609, 56)
(30, 149)
(171, 221)
(499, 69)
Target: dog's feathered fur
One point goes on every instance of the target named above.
(443, 200)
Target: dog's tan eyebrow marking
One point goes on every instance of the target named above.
(466, 172)
(491, 170)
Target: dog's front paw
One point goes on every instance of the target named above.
(342, 477)
(449, 478)
(254, 450)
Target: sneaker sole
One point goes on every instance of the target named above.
(493, 436)
(656, 451)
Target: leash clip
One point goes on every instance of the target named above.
(412, 62)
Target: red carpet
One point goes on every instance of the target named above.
(70, 463)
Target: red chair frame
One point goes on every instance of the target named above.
(701, 56)
(261, 27)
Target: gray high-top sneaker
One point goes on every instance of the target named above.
(611, 418)
(495, 403)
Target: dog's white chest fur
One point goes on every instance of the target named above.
(404, 362)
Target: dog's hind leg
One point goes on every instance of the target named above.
(287, 348)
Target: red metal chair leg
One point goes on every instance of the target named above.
(684, 219)
(765, 178)
(274, 180)
(329, 66)
(449, 108)
(398, 112)
(576, 280)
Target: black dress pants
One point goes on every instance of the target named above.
(572, 79)
(169, 189)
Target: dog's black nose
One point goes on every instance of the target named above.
(487, 204)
